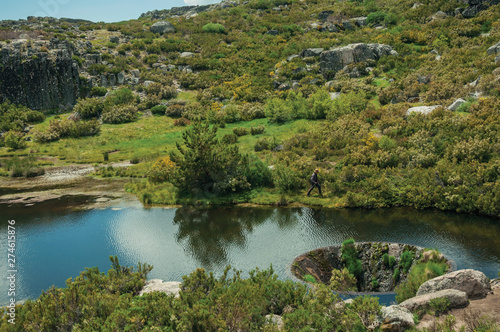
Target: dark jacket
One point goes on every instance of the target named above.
(314, 178)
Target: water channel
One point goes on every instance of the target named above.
(56, 241)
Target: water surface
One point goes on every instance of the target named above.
(55, 242)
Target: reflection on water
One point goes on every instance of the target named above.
(55, 243)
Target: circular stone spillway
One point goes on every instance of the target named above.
(319, 264)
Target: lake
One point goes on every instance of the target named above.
(56, 241)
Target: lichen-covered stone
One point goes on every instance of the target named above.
(475, 283)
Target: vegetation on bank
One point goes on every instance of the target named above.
(275, 116)
(97, 301)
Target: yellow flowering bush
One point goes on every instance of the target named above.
(162, 170)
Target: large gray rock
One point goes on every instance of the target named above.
(396, 318)
(475, 283)
(157, 285)
(457, 298)
(422, 109)
(162, 27)
(336, 59)
(456, 104)
(495, 49)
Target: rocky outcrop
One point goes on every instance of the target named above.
(396, 318)
(157, 285)
(36, 79)
(474, 283)
(187, 11)
(162, 27)
(319, 263)
(334, 60)
(457, 298)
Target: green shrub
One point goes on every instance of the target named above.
(406, 260)
(175, 110)
(182, 122)
(230, 138)
(440, 305)
(287, 179)
(257, 130)
(310, 279)
(376, 17)
(420, 273)
(342, 281)
(120, 97)
(240, 131)
(392, 261)
(385, 259)
(346, 103)
(89, 299)
(214, 28)
(374, 283)
(278, 110)
(158, 109)
(14, 140)
(98, 91)
(89, 108)
(23, 167)
(258, 174)
(67, 128)
(350, 258)
(396, 275)
(120, 114)
(13, 117)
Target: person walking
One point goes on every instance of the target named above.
(315, 182)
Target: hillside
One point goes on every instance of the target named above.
(293, 85)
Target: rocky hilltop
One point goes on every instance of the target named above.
(40, 74)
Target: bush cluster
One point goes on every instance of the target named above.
(68, 128)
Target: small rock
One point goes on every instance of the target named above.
(456, 104)
(275, 320)
(396, 318)
(335, 95)
(186, 55)
(157, 285)
(114, 39)
(135, 72)
(422, 109)
(416, 5)
(293, 56)
(272, 32)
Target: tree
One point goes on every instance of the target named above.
(208, 166)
